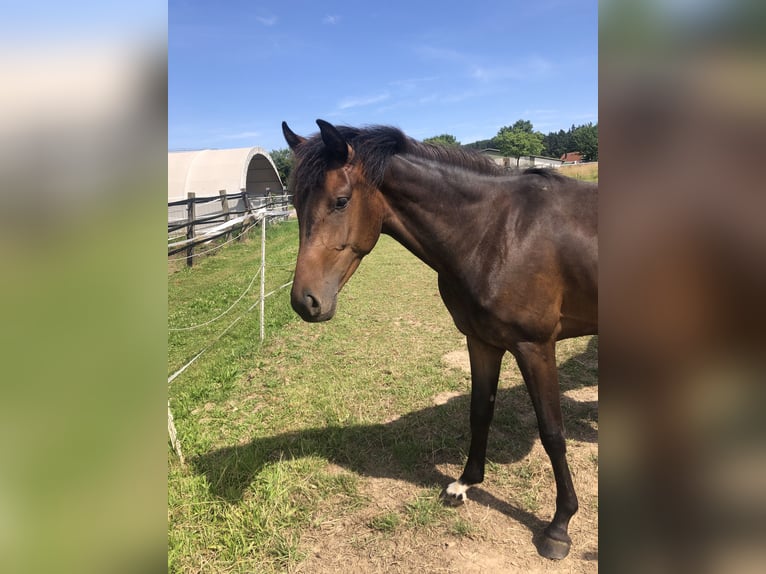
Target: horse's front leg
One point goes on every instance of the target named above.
(485, 371)
(537, 362)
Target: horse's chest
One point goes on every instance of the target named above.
(498, 316)
(471, 317)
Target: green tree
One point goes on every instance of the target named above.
(585, 140)
(283, 159)
(480, 145)
(557, 143)
(518, 140)
(521, 126)
(444, 139)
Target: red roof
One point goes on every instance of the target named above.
(572, 156)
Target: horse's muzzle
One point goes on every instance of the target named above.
(310, 307)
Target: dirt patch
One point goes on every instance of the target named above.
(458, 360)
(445, 397)
(496, 543)
(461, 361)
(494, 531)
(501, 517)
(583, 394)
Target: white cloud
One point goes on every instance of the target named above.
(444, 54)
(267, 21)
(331, 19)
(539, 65)
(457, 97)
(363, 101)
(529, 67)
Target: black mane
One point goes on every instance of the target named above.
(374, 146)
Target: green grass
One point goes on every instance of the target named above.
(387, 522)
(460, 528)
(427, 509)
(281, 437)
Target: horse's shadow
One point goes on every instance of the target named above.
(412, 447)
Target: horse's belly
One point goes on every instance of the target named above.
(501, 320)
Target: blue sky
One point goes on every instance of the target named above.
(238, 68)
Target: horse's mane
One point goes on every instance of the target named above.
(374, 146)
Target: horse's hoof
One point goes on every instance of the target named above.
(452, 499)
(454, 494)
(553, 549)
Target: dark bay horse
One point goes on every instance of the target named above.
(516, 256)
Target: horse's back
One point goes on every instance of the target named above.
(550, 261)
(575, 231)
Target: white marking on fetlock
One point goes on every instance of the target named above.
(458, 490)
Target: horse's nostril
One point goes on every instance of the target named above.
(311, 302)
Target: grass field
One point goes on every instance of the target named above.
(325, 449)
(584, 171)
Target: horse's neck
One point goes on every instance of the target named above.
(422, 210)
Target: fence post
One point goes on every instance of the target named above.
(190, 214)
(263, 269)
(174, 436)
(225, 208)
(248, 207)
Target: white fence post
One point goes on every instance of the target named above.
(263, 269)
(174, 436)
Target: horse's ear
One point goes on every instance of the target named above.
(292, 139)
(336, 145)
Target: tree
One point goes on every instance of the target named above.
(557, 143)
(521, 126)
(518, 140)
(480, 145)
(283, 159)
(585, 140)
(444, 139)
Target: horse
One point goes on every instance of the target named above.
(516, 256)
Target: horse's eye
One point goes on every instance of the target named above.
(341, 203)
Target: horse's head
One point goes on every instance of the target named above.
(339, 218)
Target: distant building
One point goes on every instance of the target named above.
(523, 162)
(539, 161)
(248, 171)
(207, 171)
(572, 157)
(495, 155)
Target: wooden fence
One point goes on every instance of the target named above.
(199, 220)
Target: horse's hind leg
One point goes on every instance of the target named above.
(485, 371)
(537, 363)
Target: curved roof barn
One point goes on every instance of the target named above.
(206, 172)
